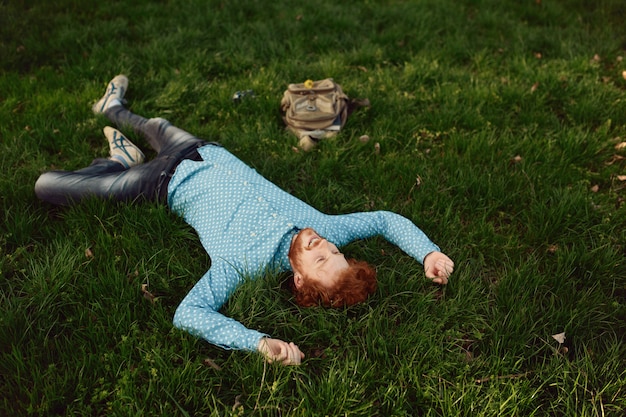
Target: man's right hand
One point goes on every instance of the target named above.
(276, 350)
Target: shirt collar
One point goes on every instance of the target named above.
(283, 249)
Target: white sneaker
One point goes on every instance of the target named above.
(114, 94)
(122, 150)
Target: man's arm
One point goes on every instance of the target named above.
(198, 312)
(397, 230)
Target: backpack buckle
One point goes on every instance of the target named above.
(311, 106)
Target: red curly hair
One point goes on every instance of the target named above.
(353, 286)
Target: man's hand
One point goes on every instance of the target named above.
(438, 267)
(279, 351)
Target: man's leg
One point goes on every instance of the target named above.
(123, 176)
(162, 136)
(106, 178)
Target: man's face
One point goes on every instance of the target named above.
(313, 257)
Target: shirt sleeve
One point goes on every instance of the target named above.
(345, 228)
(198, 312)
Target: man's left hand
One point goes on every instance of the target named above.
(438, 267)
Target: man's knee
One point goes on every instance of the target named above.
(45, 188)
(159, 122)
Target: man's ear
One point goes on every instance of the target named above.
(298, 281)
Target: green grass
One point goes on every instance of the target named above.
(496, 123)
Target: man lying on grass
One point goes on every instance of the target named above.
(244, 222)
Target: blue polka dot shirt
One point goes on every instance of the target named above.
(246, 223)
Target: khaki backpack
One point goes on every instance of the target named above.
(314, 110)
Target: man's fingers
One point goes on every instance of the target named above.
(440, 280)
(295, 355)
(286, 358)
(439, 270)
(284, 353)
(444, 267)
(298, 355)
(289, 354)
(276, 350)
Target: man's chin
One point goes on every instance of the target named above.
(299, 242)
(302, 234)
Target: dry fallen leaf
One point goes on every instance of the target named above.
(210, 363)
(318, 353)
(621, 145)
(560, 337)
(621, 177)
(553, 248)
(147, 294)
(88, 253)
(616, 158)
(534, 87)
(595, 188)
(237, 403)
